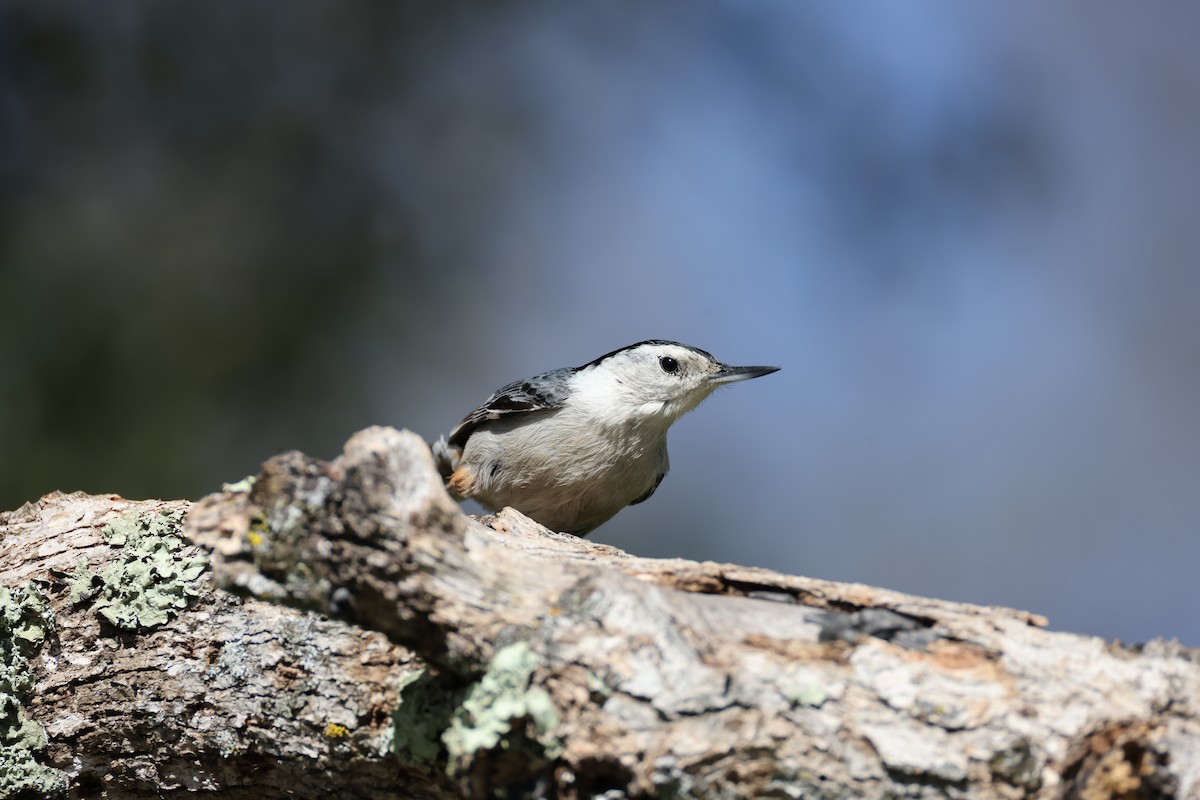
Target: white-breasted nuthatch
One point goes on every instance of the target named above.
(572, 447)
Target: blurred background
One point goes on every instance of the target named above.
(967, 232)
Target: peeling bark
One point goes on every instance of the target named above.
(492, 657)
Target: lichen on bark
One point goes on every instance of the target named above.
(26, 620)
(154, 577)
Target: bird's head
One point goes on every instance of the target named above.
(658, 378)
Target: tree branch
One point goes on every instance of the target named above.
(552, 666)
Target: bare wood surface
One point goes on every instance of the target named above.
(494, 656)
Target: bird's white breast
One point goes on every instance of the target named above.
(574, 467)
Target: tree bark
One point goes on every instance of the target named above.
(342, 628)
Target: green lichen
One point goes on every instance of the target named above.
(421, 715)
(1018, 765)
(501, 700)
(25, 621)
(501, 713)
(20, 739)
(598, 686)
(240, 487)
(82, 588)
(151, 579)
(806, 694)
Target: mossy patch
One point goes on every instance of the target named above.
(25, 622)
(421, 715)
(151, 579)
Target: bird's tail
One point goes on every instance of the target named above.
(445, 457)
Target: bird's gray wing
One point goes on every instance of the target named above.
(539, 393)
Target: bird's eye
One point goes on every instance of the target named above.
(668, 364)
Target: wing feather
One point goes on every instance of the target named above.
(539, 393)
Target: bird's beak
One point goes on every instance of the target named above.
(727, 374)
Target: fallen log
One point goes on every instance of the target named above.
(341, 627)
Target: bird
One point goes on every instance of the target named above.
(571, 447)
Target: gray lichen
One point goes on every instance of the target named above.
(227, 744)
(152, 577)
(278, 539)
(233, 666)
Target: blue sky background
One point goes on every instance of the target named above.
(967, 233)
